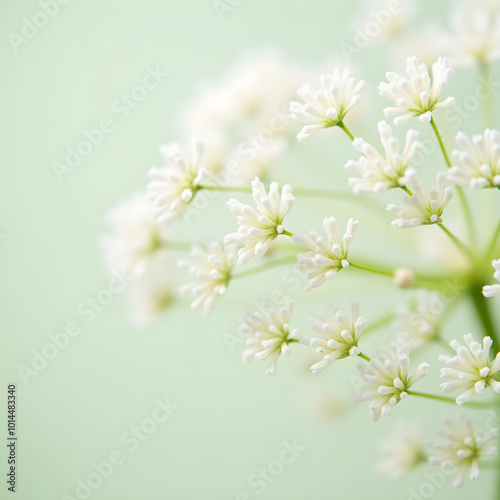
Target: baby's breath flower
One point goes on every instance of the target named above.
(463, 448)
(471, 368)
(258, 228)
(211, 272)
(416, 94)
(491, 290)
(388, 380)
(403, 450)
(340, 338)
(379, 173)
(423, 209)
(328, 105)
(327, 256)
(173, 186)
(269, 334)
(478, 160)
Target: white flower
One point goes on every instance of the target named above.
(327, 106)
(211, 271)
(423, 209)
(269, 334)
(491, 290)
(258, 228)
(471, 369)
(379, 173)
(136, 236)
(327, 256)
(173, 186)
(340, 338)
(403, 450)
(479, 160)
(416, 95)
(463, 448)
(476, 27)
(388, 380)
(420, 324)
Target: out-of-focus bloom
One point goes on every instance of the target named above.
(379, 173)
(463, 448)
(136, 236)
(403, 450)
(420, 324)
(491, 290)
(416, 94)
(476, 28)
(258, 228)
(328, 105)
(423, 209)
(339, 337)
(471, 368)
(327, 256)
(269, 335)
(388, 380)
(478, 160)
(211, 271)
(404, 277)
(173, 186)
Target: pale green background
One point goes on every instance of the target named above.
(232, 419)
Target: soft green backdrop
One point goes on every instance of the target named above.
(231, 419)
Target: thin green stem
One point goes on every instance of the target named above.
(460, 245)
(364, 356)
(225, 188)
(447, 400)
(493, 242)
(345, 129)
(482, 306)
(441, 144)
(287, 233)
(383, 272)
(384, 320)
(407, 190)
(264, 267)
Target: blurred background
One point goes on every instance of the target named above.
(71, 75)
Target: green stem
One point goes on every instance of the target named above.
(264, 267)
(482, 306)
(383, 272)
(461, 246)
(447, 400)
(407, 190)
(441, 145)
(379, 322)
(364, 356)
(494, 242)
(345, 129)
(287, 233)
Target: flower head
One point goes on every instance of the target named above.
(491, 290)
(478, 160)
(173, 186)
(257, 228)
(339, 337)
(136, 236)
(327, 256)
(269, 333)
(423, 209)
(463, 448)
(403, 450)
(416, 94)
(388, 380)
(211, 271)
(471, 368)
(379, 173)
(326, 106)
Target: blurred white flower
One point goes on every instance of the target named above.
(328, 105)
(339, 337)
(423, 209)
(491, 290)
(476, 30)
(327, 256)
(135, 238)
(478, 160)
(471, 368)
(403, 450)
(416, 94)
(211, 271)
(269, 334)
(173, 186)
(388, 380)
(379, 173)
(463, 448)
(258, 228)
(420, 324)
